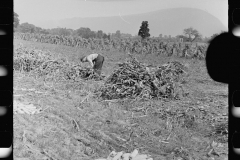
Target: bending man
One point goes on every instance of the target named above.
(96, 61)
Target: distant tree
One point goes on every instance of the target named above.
(71, 31)
(54, 31)
(38, 29)
(64, 32)
(85, 33)
(60, 31)
(118, 34)
(99, 34)
(92, 34)
(44, 31)
(144, 30)
(75, 33)
(182, 37)
(109, 36)
(191, 34)
(15, 20)
(26, 27)
(105, 35)
(199, 39)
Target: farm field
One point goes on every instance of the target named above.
(190, 50)
(72, 123)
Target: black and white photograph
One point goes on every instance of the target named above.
(117, 80)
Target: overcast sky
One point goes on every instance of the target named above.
(39, 11)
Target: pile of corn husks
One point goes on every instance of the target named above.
(133, 79)
(42, 63)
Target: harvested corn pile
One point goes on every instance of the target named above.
(41, 64)
(127, 156)
(132, 79)
(168, 78)
(76, 71)
(26, 59)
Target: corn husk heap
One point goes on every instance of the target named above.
(62, 69)
(42, 64)
(132, 79)
(127, 156)
(26, 59)
(76, 71)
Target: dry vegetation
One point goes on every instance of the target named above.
(154, 46)
(60, 115)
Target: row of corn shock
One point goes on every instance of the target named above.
(135, 46)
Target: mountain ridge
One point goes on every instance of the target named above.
(165, 21)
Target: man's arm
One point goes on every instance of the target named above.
(91, 57)
(90, 61)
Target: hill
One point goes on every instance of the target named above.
(166, 22)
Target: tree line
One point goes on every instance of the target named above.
(189, 34)
(83, 32)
